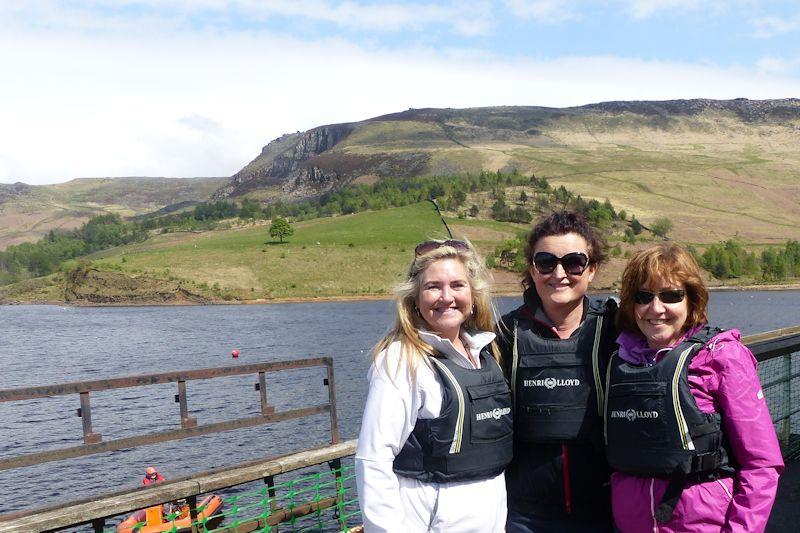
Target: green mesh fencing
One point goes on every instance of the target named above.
(321, 501)
(780, 381)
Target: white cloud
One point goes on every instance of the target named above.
(778, 65)
(767, 27)
(641, 9)
(543, 11)
(467, 17)
(83, 96)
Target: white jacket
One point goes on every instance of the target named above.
(392, 503)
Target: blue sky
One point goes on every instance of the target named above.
(196, 87)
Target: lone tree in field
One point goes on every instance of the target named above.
(661, 226)
(280, 228)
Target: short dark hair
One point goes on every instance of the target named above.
(562, 223)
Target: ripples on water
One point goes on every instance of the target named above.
(42, 345)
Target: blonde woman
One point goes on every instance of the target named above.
(437, 432)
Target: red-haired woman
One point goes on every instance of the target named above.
(688, 431)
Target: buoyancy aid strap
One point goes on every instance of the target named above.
(515, 363)
(671, 496)
(605, 402)
(683, 426)
(598, 383)
(706, 462)
(458, 431)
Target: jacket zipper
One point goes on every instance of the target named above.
(565, 475)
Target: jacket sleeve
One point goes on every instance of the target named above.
(389, 417)
(752, 438)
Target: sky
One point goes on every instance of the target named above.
(189, 88)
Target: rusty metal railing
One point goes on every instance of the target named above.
(775, 350)
(93, 442)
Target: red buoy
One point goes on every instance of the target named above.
(235, 353)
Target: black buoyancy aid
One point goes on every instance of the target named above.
(557, 384)
(472, 438)
(653, 427)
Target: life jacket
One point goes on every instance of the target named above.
(147, 481)
(653, 427)
(472, 439)
(557, 384)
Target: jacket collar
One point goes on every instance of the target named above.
(533, 304)
(475, 341)
(633, 347)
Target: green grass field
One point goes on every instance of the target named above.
(352, 255)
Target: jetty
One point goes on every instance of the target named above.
(311, 489)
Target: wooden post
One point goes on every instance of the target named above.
(192, 501)
(186, 421)
(85, 412)
(332, 400)
(261, 386)
(336, 466)
(273, 504)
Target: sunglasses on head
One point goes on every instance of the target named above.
(574, 263)
(669, 296)
(428, 246)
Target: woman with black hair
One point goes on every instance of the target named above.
(556, 347)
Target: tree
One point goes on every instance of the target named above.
(661, 227)
(280, 228)
(636, 226)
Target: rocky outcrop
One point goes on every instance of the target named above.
(746, 110)
(13, 190)
(287, 163)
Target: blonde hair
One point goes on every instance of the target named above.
(672, 263)
(408, 321)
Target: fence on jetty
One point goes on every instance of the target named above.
(319, 493)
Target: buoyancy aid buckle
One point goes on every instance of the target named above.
(704, 463)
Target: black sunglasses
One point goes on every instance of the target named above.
(669, 296)
(429, 246)
(574, 263)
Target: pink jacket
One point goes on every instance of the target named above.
(723, 379)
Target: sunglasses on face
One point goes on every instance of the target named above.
(428, 246)
(669, 296)
(574, 263)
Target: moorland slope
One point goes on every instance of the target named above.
(718, 169)
(27, 212)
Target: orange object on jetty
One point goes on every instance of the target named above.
(152, 519)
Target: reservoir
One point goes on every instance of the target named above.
(42, 345)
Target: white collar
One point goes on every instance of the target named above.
(475, 341)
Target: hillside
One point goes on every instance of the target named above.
(361, 255)
(718, 169)
(344, 256)
(27, 212)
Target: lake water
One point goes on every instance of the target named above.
(42, 345)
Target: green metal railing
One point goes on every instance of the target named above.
(321, 501)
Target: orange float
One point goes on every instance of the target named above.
(152, 519)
